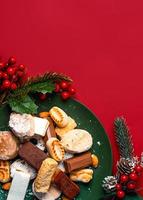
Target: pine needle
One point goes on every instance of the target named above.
(123, 138)
(53, 76)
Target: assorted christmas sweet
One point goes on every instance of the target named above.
(129, 167)
(54, 164)
(46, 148)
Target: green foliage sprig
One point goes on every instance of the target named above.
(123, 138)
(20, 101)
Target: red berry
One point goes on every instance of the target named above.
(14, 78)
(1, 88)
(118, 186)
(19, 73)
(6, 84)
(124, 178)
(65, 95)
(57, 87)
(10, 70)
(1, 74)
(138, 168)
(72, 90)
(21, 67)
(15, 68)
(133, 176)
(13, 86)
(12, 60)
(64, 85)
(131, 186)
(42, 96)
(120, 194)
(5, 76)
(2, 65)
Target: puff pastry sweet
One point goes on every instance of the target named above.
(4, 171)
(44, 177)
(55, 149)
(70, 126)
(83, 175)
(77, 141)
(8, 145)
(59, 116)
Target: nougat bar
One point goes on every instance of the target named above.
(78, 162)
(32, 155)
(19, 186)
(67, 186)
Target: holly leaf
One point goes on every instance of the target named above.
(23, 105)
(43, 87)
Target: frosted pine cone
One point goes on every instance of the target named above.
(109, 184)
(126, 165)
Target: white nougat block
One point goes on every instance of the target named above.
(19, 186)
(40, 126)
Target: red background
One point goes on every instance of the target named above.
(99, 43)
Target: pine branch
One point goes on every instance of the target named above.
(123, 138)
(41, 83)
(53, 76)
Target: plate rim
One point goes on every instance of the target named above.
(106, 135)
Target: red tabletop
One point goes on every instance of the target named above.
(99, 43)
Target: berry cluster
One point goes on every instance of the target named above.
(11, 75)
(127, 183)
(65, 89)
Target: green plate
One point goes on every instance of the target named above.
(101, 145)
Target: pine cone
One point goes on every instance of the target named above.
(109, 184)
(126, 165)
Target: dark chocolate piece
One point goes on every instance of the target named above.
(68, 187)
(78, 162)
(32, 155)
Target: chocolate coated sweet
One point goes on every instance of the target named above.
(63, 182)
(32, 155)
(78, 162)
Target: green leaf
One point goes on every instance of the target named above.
(43, 87)
(23, 105)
